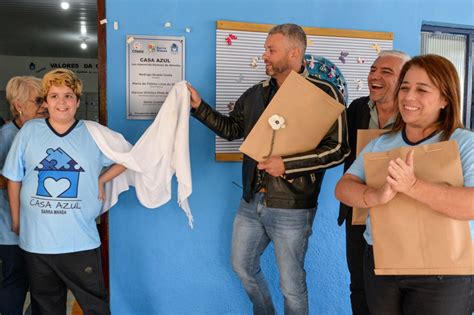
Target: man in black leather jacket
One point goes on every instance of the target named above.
(280, 195)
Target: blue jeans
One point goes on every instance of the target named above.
(255, 225)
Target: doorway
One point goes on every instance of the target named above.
(39, 35)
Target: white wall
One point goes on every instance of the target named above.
(86, 69)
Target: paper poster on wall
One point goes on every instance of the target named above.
(154, 65)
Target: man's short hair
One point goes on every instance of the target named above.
(292, 31)
(395, 53)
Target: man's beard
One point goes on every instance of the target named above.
(277, 69)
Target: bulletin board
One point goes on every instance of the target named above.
(239, 47)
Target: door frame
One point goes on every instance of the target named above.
(102, 79)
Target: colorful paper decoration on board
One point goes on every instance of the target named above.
(230, 38)
(254, 62)
(377, 48)
(325, 69)
(342, 56)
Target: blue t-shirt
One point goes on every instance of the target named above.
(465, 142)
(7, 237)
(59, 192)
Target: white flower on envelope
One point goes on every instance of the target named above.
(276, 122)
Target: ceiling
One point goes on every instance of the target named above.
(41, 28)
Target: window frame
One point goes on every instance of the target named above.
(468, 31)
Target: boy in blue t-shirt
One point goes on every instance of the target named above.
(55, 195)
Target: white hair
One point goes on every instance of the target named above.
(395, 53)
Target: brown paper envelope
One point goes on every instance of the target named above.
(409, 237)
(364, 136)
(308, 112)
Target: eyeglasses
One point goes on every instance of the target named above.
(38, 101)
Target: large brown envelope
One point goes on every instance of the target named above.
(409, 237)
(364, 136)
(308, 112)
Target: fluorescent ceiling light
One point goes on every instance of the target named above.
(83, 45)
(65, 5)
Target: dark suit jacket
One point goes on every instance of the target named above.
(358, 117)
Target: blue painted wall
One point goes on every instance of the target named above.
(157, 264)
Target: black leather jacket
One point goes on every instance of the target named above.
(299, 187)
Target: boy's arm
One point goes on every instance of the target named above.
(14, 200)
(114, 171)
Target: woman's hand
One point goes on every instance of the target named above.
(352, 191)
(384, 194)
(401, 174)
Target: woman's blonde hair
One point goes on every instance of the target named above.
(59, 77)
(19, 89)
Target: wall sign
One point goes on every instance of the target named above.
(154, 65)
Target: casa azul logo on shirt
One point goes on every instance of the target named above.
(58, 175)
